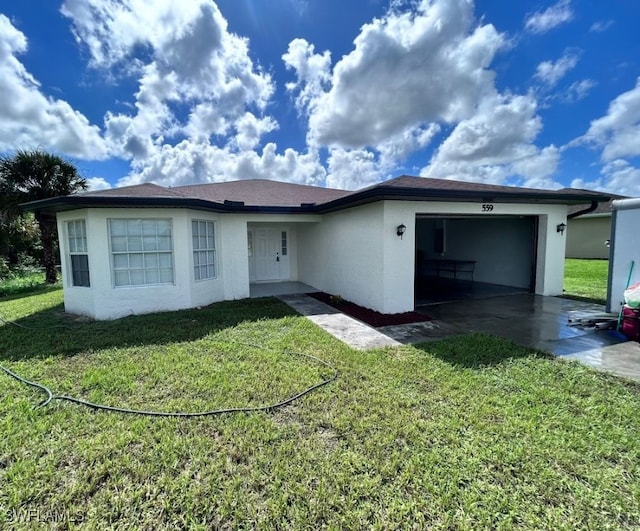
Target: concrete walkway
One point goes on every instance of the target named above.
(347, 329)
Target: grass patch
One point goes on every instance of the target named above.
(586, 279)
(21, 284)
(471, 432)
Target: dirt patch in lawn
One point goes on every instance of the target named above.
(371, 317)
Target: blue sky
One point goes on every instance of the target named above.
(326, 92)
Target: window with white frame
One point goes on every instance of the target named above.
(78, 256)
(204, 249)
(141, 251)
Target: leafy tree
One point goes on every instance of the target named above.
(33, 175)
(19, 240)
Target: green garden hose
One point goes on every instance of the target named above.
(265, 408)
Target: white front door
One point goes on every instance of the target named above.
(267, 254)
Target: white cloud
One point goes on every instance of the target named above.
(497, 144)
(97, 183)
(190, 61)
(353, 169)
(313, 72)
(387, 86)
(601, 25)
(578, 90)
(190, 162)
(31, 118)
(618, 177)
(556, 15)
(550, 72)
(618, 131)
(251, 129)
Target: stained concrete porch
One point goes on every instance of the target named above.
(275, 289)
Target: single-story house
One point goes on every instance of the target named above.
(624, 265)
(149, 248)
(588, 235)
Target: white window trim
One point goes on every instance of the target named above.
(112, 254)
(77, 253)
(194, 250)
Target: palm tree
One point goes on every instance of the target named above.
(32, 175)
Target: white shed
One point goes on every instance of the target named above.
(624, 258)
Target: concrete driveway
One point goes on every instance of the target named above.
(532, 321)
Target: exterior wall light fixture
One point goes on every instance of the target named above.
(560, 228)
(400, 230)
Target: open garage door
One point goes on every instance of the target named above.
(463, 257)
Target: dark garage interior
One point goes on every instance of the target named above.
(467, 257)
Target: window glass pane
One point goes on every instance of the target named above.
(134, 227)
(134, 243)
(83, 279)
(80, 261)
(81, 244)
(80, 270)
(118, 227)
(122, 278)
(149, 243)
(166, 275)
(137, 277)
(149, 227)
(164, 243)
(136, 261)
(210, 242)
(118, 243)
(164, 227)
(121, 261)
(151, 261)
(164, 260)
(152, 277)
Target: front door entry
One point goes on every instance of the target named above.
(267, 254)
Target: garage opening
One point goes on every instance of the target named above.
(467, 257)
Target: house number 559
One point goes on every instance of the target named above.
(487, 207)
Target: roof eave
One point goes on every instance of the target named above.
(66, 203)
(380, 193)
(412, 194)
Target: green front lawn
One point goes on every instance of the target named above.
(471, 432)
(586, 279)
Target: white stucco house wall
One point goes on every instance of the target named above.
(147, 248)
